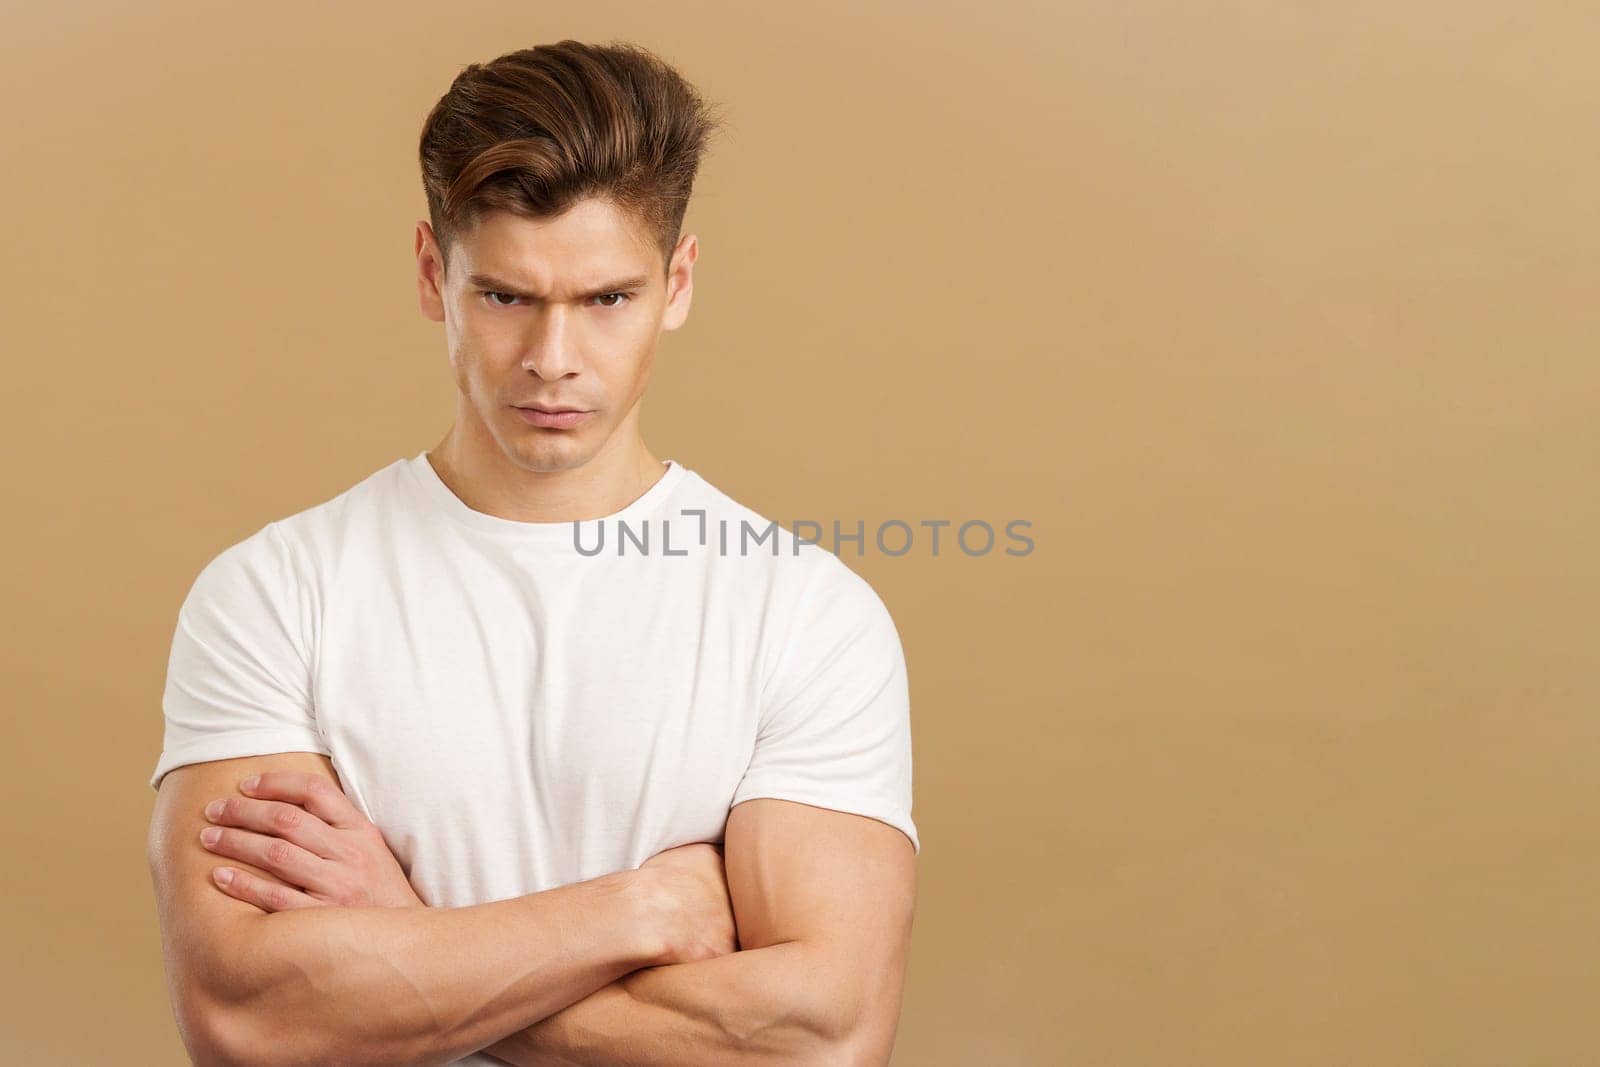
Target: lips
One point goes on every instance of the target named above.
(552, 418)
(548, 411)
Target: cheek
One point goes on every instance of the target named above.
(474, 377)
(631, 381)
(641, 370)
(634, 356)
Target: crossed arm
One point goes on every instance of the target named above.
(822, 902)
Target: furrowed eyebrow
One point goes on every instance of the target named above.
(485, 281)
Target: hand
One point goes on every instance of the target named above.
(692, 893)
(303, 829)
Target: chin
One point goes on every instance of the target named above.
(540, 450)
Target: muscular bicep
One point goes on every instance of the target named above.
(202, 928)
(842, 883)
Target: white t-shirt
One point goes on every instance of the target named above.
(516, 714)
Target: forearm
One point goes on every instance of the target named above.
(424, 985)
(755, 1008)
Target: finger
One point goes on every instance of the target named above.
(264, 894)
(314, 792)
(283, 858)
(276, 818)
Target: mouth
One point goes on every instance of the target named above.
(549, 410)
(553, 418)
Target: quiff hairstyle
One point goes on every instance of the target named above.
(536, 130)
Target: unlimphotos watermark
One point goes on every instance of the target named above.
(892, 537)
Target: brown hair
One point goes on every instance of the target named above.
(536, 130)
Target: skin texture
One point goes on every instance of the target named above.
(822, 901)
(557, 346)
(373, 984)
(322, 849)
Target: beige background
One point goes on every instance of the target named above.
(1278, 322)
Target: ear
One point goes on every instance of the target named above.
(430, 273)
(680, 282)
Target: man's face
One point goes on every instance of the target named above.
(562, 312)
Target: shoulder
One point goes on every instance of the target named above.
(802, 579)
(285, 559)
(250, 564)
(316, 529)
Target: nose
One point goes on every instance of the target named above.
(548, 350)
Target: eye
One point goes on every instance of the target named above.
(617, 299)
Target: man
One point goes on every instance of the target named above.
(535, 748)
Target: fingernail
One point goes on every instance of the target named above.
(210, 834)
(223, 875)
(213, 809)
(250, 783)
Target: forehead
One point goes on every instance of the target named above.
(590, 241)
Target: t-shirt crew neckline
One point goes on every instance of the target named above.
(444, 500)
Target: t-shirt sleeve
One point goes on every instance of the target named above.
(835, 728)
(238, 675)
